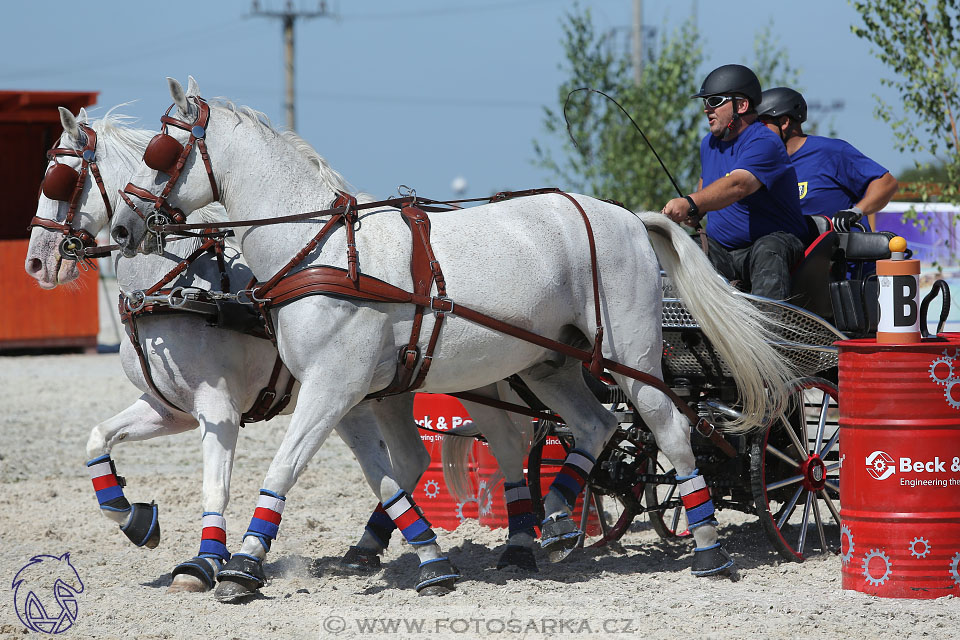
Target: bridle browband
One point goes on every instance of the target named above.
(65, 184)
(166, 154)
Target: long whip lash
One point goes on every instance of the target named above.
(574, 140)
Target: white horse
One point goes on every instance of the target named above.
(213, 376)
(522, 260)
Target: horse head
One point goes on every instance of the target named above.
(72, 208)
(175, 175)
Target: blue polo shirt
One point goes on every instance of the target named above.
(832, 175)
(773, 207)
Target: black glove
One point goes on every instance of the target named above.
(844, 220)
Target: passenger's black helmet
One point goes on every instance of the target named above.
(782, 101)
(731, 79)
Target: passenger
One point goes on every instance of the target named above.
(755, 231)
(834, 178)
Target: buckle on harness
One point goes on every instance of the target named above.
(440, 299)
(701, 423)
(408, 357)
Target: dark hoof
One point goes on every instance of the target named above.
(241, 577)
(712, 561)
(360, 562)
(437, 577)
(559, 537)
(143, 527)
(199, 568)
(519, 557)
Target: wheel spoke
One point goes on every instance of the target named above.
(788, 511)
(821, 424)
(832, 507)
(801, 448)
(675, 521)
(816, 516)
(783, 483)
(783, 456)
(598, 504)
(804, 522)
(831, 443)
(832, 486)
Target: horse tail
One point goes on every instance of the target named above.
(740, 332)
(455, 459)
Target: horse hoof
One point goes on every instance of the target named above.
(185, 583)
(436, 590)
(519, 557)
(360, 562)
(713, 561)
(230, 592)
(143, 526)
(559, 537)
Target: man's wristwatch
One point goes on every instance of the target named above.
(694, 211)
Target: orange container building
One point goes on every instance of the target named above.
(31, 317)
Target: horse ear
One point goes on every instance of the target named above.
(179, 97)
(193, 89)
(69, 122)
(82, 116)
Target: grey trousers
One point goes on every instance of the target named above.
(764, 267)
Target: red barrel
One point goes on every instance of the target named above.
(900, 467)
(493, 509)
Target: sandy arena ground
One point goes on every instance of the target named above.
(47, 506)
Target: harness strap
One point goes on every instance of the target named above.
(264, 408)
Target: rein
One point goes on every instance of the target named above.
(65, 184)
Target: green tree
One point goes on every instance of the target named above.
(611, 159)
(917, 40)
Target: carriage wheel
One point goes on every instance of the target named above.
(668, 519)
(615, 512)
(794, 473)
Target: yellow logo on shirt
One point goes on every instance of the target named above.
(803, 189)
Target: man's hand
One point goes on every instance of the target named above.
(844, 220)
(678, 210)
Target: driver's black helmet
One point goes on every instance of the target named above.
(782, 101)
(731, 79)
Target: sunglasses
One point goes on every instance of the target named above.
(715, 102)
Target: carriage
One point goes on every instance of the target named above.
(787, 473)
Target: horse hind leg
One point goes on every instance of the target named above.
(672, 433)
(563, 389)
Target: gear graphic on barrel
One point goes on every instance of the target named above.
(431, 488)
(953, 568)
(484, 499)
(845, 558)
(879, 465)
(460, 505)
(956, 352)
(939, 367)
(876, 553)
(953, 401)
(920, 547)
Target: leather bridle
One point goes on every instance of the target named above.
(63, 183)
(166, 154)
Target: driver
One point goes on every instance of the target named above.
(756, 231)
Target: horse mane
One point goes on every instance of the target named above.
(330, 177)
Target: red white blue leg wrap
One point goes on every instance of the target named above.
(213, 540)
(696, 500)
(520, 516)
(380, 526)
(572, 476)
(408, 518)
(265, 523)
(107, 484)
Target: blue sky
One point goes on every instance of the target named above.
(418, 92)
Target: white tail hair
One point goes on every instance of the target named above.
(740, 332)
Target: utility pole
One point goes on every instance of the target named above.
(287, 17)
(637, 42)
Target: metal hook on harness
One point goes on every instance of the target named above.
(135, 300)
(177, 298)
(251, 296)
(408, 192)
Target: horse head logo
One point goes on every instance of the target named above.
(45, 593)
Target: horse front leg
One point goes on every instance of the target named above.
(219, 427)
(144, 419)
